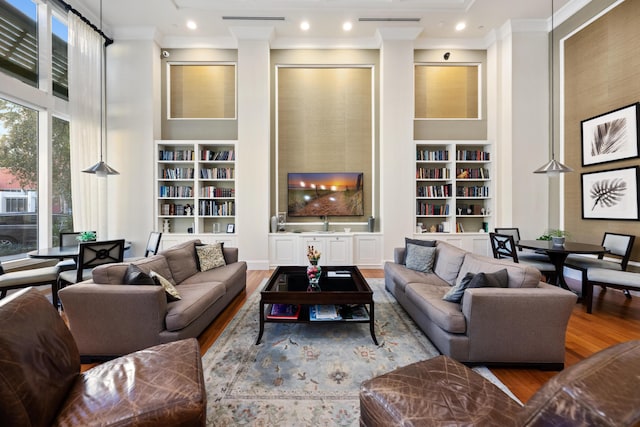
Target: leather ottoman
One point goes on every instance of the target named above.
(435, 392)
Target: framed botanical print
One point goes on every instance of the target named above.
(611, 194)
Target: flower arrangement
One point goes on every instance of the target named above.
(313, 255)
(87, 236)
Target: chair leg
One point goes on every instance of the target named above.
(3, 293)
(627, 293)
(588, 287)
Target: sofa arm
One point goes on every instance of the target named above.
(230, 255)
(398, 255)
(519, 325)
(112, 320)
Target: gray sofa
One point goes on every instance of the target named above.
(108, 318)
(524, 323)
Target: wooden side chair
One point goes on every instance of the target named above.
(504, 246)
(31, 277)
(66, 239)
(90, 255)
(153, 245)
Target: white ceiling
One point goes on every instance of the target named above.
(437, 18)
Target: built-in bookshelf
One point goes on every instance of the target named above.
(196, 186)
(453, 186)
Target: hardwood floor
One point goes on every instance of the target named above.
(615, 319)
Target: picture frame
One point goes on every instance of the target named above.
(231, 228)
(611, 136)
(611, 194)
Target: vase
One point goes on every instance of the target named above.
(557, 241)
(313, 274)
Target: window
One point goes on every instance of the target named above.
(18, 178)
(59, 62)
(61, 180)
(18, 40)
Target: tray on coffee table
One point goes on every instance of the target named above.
(340, 286)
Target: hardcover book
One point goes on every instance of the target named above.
(283, 311)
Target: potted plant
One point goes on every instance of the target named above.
(87, 236)
(557, 236)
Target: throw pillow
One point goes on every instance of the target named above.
(457, 291)
(135, 276)
(420, 258)
(172, 292)
(498, 279)
(210, 256)
(419, 242)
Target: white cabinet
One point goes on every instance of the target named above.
(284, 249)
(171, 239)
(367, 250)
(363, 250)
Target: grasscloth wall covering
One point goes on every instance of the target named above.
(325, 124)
(602, 73)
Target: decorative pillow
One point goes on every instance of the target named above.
(172, 292)
(419, 242)
(135, 276)
(457, 291)
(498, 279)
(210, 256)
(420, 258)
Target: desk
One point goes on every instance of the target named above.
(558, 253)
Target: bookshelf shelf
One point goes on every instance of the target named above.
(194, 179)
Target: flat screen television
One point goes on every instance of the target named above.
(325, 193)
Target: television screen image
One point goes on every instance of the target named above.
(325, 193)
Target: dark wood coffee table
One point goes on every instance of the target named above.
(288, 285)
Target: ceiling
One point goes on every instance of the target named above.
(436, 18)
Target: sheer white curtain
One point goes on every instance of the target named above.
(87, 191)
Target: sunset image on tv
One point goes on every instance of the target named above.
(319, 194)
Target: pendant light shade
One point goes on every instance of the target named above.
(552, 167)
(101, 169)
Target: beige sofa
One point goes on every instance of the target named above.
(524, 323)
(108, 318)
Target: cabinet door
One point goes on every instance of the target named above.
(283, 250)
(319, 244)
(367, 251)
(339, 251)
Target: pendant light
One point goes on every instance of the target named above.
(101, 169)
(552, 167)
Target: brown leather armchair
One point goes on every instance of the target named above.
(601, 390)
(41, 383)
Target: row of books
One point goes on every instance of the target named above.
(433, 173)
(224, 155)
(168, 155)
(175, 191)
(211, 191)
(475, 191)
(423, 208)
(319, 312)
(473, 173)
(434, 190)
(217, 173)
(172, 209)
(216, 208)
(473, 155)
(177, 173)
(432, 156)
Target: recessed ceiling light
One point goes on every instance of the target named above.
(347, 26)
(192, 25)
(304, 26)
(460, 26)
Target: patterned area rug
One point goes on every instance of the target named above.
(305, 374)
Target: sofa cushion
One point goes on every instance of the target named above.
(420, 258)
(520, 276)
(209, 256)
(428, 298)
(135, 276)
(457, 291)
(182, 260)
(419, 242)
(401, 276)
(227, 274)
(170, 290)
(499, 279)
(112, 274)
(448, 260)
(196, 299)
